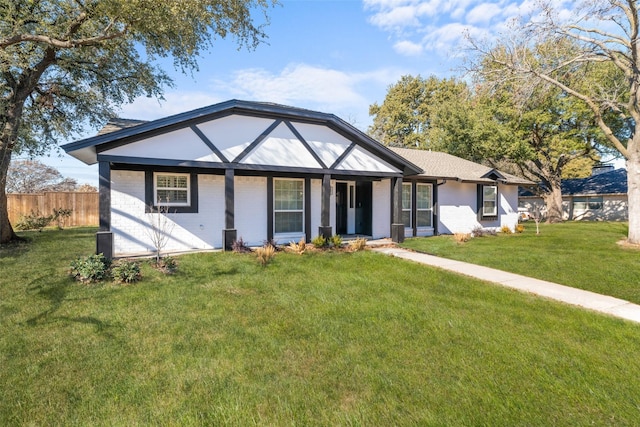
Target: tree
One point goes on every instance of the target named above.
(87, 188)
(404, 117)
(65, 64)
(600, 38)
(32, 176)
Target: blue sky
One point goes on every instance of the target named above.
(334, 56)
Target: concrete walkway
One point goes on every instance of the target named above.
(590, 300)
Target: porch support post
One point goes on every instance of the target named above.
(229, 234)
(397, 226)
(104, 237)
(325, 206)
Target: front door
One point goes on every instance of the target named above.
(364, 206)
(342, 208)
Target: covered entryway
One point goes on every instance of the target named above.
(353, 208)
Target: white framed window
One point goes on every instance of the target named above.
(288, 205)
(489, 200)
(171, 189)
(424, 206)
(587, 203)
(406, 204)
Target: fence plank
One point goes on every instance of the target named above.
(84, 206)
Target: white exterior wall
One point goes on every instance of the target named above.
(188, 231)
(458, 203)
(615, 208)
(250, 209)
(381, 209)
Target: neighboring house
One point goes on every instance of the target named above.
(464, 196)
(600, 197)
(261, 171)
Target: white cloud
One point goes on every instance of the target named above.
(175, 102)
(408, 48)
(483, 13)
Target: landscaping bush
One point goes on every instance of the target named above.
(359, 244)
(240, 247)
(125, 271)
(36, 221)
(462, 237)
(90, 269)
(319, 242)
(265, 254)
(336, 241)
(506, 230)
(519, 228)
(299, 247)
(33, 221)
(273, 243)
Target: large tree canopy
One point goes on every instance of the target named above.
(67, 63)
(32, 176)
(601, 38)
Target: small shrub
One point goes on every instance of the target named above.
(336, 241)
(90, 269)
(240, 247)
(299, 247)
(462, 237)
(319, 242)
(519, 228)
(265, 254)
(273, 243)
(33, 221)
(125, 271)
(167, 264)
(60, 215)
(506, 230)
(359, 244)
(478, 231)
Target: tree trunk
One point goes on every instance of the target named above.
(553, 201)
(6, 230)
(633, 196)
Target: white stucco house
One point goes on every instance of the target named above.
(261, 171)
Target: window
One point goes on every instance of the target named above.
(171, 189)
(288, 205)
(406, 204)
(489, 200)
(587, 203)
(423, 205)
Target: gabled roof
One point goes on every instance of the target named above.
(121, 131)
(437, 165)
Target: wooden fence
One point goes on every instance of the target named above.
(84, 206)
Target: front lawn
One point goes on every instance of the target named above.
(583, 255)
(318, 339)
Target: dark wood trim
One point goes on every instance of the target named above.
(149, 199)
(104, 190)
(209, 144)
(229, 199)
(325, 203)
(342, 156)
(269, 208)
(307, 209)
(306, 144)
(414, 207)
(257, 141)
(435, 207)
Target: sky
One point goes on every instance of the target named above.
(333, 56)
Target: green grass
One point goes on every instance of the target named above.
(317, 339)
(583, 255)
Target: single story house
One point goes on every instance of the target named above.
(262, 171)
(599, 197)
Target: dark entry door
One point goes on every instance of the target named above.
(364, 204)
(341, 207)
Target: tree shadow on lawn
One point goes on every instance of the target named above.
(57, 295)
